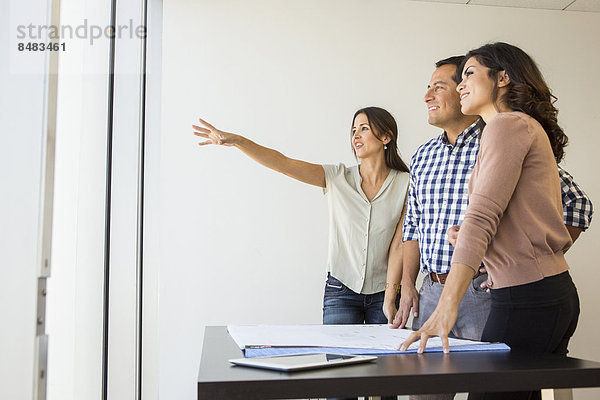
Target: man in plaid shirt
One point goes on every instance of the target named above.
(437, 199)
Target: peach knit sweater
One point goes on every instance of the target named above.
(514, 218)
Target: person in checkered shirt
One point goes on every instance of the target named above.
(437, 199)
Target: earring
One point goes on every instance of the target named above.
(385, 146)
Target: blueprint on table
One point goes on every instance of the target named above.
(252, 352)
(267, 340)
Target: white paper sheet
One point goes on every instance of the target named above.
(347, 336)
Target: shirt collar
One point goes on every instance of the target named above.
(470, 133)
(358, 182)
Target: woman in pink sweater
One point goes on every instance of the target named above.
(514, 220)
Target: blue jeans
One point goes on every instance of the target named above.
(473, 311)
(472, 315)
(343, 306)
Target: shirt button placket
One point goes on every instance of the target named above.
(366, 245)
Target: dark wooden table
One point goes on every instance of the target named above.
(389, 375)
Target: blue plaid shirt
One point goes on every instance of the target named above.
(439, 194)
(577, 206)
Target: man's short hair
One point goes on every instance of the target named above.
(456, 61)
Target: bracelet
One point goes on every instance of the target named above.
(396, 286)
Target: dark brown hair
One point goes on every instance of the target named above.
(457, 62)
(383, 123)
(527, 91)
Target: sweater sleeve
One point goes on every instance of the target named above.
(505, 142)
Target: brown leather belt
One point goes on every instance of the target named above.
(441, 278)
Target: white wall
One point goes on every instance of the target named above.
(241, 244)
(21, 112)
(75, 306)
(75, 302)
(76, 289)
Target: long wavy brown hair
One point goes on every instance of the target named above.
(383, 123)
(527, 91)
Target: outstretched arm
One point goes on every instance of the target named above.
(313, 174)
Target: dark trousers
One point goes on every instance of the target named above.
(538, 317)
